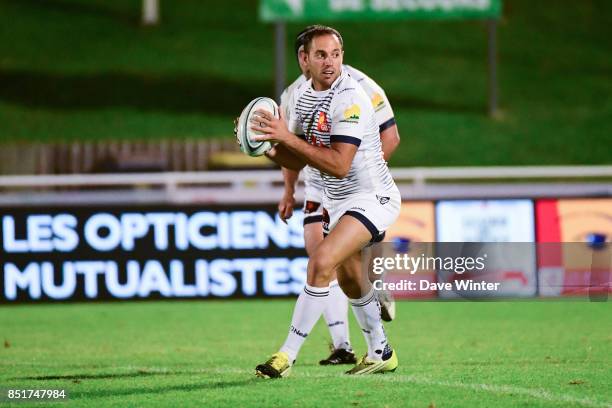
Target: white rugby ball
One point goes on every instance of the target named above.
(248, 146)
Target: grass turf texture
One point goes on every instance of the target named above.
(86, 69)
(536, 354)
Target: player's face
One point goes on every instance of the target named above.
(324, 61)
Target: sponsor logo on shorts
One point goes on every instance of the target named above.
(358, 209)
(325, 220)
(311, 207)
(383, 200)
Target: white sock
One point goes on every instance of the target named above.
(336, 316)
(308, 308)
(367, 312)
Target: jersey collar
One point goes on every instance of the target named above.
(334, 85)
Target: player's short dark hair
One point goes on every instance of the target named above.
(304, 38)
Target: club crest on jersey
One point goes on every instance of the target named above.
(377, 102)
(383, 200)
(314, 140)
(352, 114)
(323, 123)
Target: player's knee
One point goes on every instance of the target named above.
(320, 269)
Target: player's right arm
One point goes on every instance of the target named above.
(335, 160)
(287, 202)
(290, 177)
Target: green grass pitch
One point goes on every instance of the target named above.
(502, 354)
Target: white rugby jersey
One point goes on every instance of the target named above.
(380, 103)
(345, 114)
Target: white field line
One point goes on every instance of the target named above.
(536, 393)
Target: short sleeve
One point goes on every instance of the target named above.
(383, 113)
(382, 110)
(348, 122)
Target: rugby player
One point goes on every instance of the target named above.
(332, 127)
(336, 312)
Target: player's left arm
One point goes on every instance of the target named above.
(390, 139)
(282, 156)
(389, 133)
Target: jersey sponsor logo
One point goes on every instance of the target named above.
(351, 115)
(323, 123)
(311, 207)
(383, 200)
(358, 209)
(378, 102)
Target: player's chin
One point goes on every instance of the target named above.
(328, 79)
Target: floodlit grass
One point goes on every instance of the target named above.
(502, 354)
(86, 69)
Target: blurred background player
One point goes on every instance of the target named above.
(339, 137)
(336, 312)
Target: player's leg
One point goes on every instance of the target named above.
(385, 297)
(336, 311)
(308, 308)
(373, 214)
(343, 244)
(337, 247)
(380, 357)
(314, 299)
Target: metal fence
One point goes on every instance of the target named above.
(266, 185)
(111, 156)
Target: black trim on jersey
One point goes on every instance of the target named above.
(312, 219)
(366, 223)
(386, 125)
(345, 139)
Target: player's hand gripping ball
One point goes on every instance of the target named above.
(243, 130)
